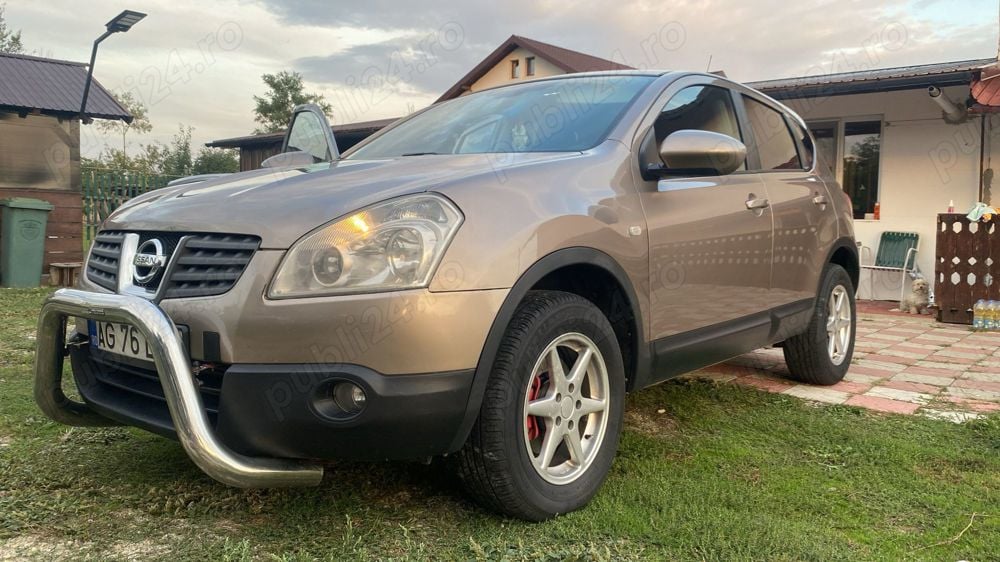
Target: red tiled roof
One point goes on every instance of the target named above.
(566, 59)
(986, 90)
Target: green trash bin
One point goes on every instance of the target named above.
(22, 241)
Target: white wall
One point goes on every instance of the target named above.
(925, 163)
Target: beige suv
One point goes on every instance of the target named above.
(483, 280)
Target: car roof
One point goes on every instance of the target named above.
(652, 73)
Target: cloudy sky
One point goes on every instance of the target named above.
(199, 62)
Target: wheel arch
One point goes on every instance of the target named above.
(555, 271)
(845, 254)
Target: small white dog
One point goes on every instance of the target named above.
(918, 299)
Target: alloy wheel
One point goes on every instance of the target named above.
(838, 324)
(566, 408)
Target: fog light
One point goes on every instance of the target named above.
(349, 397)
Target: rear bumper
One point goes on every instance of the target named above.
(180, 392)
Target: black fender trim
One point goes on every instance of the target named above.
(845, 242)
(541, 268)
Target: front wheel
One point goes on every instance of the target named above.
(549, 425)
(822, 354)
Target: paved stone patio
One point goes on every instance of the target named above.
(902, 364)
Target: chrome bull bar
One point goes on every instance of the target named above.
(175, 375)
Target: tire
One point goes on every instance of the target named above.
(495, 465)
(808, 355)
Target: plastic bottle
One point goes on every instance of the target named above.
(993, 316)
(877, 215)
(979, 315)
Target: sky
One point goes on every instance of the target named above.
(199, 62)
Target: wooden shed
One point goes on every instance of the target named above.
(40, 141)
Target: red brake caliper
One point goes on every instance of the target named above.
(533, 421)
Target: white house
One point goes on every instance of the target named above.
(911, 139)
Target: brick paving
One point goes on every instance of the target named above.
(903, 364)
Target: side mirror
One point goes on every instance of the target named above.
(690, 151)
(296, 159)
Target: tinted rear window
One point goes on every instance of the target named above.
(774, 141)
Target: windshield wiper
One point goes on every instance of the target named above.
(419, 153)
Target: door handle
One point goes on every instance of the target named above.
(755, 204)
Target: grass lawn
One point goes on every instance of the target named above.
(723, 473)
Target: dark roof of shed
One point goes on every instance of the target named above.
(54, 87)
(566, 59)
(878, 80)
(277, 136)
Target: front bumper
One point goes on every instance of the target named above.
(180, 392)
(287, 411)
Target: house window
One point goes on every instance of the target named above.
(862, 145)
(849, 151)
(529, 64)
(515, 69)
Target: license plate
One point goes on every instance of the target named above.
(120, 339)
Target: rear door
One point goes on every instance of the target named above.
(710, 255)
(804, 217)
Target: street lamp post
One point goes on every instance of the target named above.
(121, 23)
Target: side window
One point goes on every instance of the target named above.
(808, 150)
(704, 108)
(774, 141)
(307, 135)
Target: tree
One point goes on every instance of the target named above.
(140, 119)
(10, 40)
(148, 160)
(216, 161)
(173, 159)
(177, 159)
(285, 91)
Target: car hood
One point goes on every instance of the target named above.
(282, 205)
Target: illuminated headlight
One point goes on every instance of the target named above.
(393, 245)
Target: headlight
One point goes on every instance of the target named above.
(389, 246)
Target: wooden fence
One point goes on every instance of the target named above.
(966, 265)
(106, 190)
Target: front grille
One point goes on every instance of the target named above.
(199, 265)
(210, 264)
(169, 240)
(102, 267)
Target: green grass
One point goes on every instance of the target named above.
(724, 473)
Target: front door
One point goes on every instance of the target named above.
(710, 236)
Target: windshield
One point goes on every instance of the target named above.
(565, 115)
